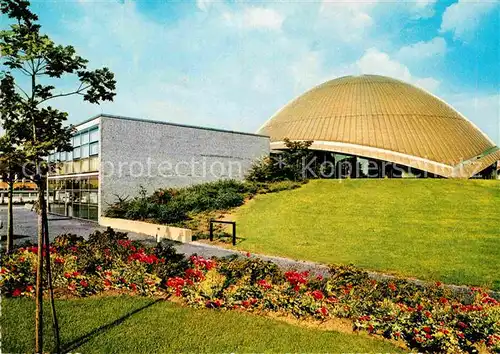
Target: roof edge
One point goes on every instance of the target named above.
(104, 115)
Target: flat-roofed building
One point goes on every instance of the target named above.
(117, 156)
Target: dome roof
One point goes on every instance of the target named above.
(387, 119)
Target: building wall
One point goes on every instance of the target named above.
(156, 155)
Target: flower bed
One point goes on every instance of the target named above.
(426, 318)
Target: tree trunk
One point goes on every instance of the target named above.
(39, 275)
(10, 217)
(55, 324)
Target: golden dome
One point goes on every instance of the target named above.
(382, 118)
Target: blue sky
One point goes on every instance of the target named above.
(232, 64)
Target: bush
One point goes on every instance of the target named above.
(174, 206)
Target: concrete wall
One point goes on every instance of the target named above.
(156, 155)
(154, 230)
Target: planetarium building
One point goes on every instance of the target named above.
(378, 126)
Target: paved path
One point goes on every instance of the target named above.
(25, 229)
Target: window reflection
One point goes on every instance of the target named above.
(75, 197)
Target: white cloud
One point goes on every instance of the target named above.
(483, 110)
(204, 5)
(423, 50)
(462, 18)
(347, 20)
(423, 8)
(380, 63)
(255, 17)
(307, 72)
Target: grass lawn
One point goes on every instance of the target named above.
(140, 325)
(447, 230)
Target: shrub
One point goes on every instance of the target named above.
(177, 206)
(428, 318)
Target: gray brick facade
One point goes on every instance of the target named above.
(154, 155)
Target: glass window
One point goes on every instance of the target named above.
(77, 167)
(93, 198)
(85, 138)
(84, 151)
(85, 165)
(76, 153)
(94, 135)
(94, 183)
(94, 164)
(76, 140)
(69, 155)
(94, 148)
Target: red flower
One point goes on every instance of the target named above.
(29, 288)
(59, 260)
(319, 277)
(194, 274)
(427, 329)
(443, 300)
(420, 307)
(248, 254)
(264, 284)
(84, 283)
(133, 286)
(296, 279)
(318, 295)
(461, 335)
(107, 283)
(323, 311)
(75, 274)
(245, 303)
(332, 299)
(462, 325)
(438, 284)
(392, 286)
(428, 314)
(16, 292)
(72, 287)
(67, 275)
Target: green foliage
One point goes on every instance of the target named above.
(30, 59)
(171, 205)
(289, 164)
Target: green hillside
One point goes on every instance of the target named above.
(447, 230)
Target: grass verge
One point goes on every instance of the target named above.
(126, 324)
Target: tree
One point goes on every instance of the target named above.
(287, 164)
(33, 59)
(11, 162)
